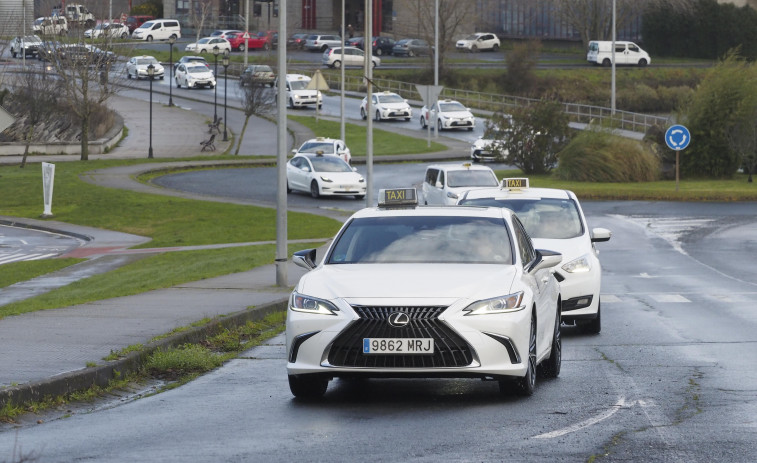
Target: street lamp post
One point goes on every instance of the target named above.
(225, 62)
(150, 76)
(171, 41)
(216, 50)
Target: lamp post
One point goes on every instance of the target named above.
(150, 75)
(171, 41)
(216, 50)
(225, 62)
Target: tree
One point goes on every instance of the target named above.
(256, 100)
(530, 137)
(39, 94)
(199, 11)
(742, 135)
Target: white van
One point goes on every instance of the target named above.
(56, 25)
(444, 184)
(157, 29)
(600, 52)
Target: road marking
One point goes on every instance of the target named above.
(18, 257)
(668, 298)
(609, 298)
(621, 403)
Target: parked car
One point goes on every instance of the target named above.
(322, 145)
(387, 105)
(157, 29)
(137, 66)
(84, 53)
(257, 74)
(333, 57)
(57, 25)
(110, 30)
(479, 41)
(193, 75)
(317, 42)
(264, 40)
(297, 41)
(134, 21)
(448, 114)
(411, 47)
(27, 45)
(356, 42)
(207, 44)
(223, 33)
(324, 175)
(382, 45)
(191, 59)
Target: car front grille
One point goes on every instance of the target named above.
(450, 350)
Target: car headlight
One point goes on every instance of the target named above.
(580, 265)
(501, 304)
(301, 303)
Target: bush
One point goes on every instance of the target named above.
(598, 156)
(641, 98)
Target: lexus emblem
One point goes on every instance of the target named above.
(399, 319)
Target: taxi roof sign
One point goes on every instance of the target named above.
(515, 183)
(397, 197)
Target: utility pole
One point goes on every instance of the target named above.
(282, 255)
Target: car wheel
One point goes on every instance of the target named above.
(378, 116)
(314, 192)
(307, 387)
(149, 38)
(594, 326)
(423, 122)
(128, 75)
(606, 63)
(439, 125)
(178, 84)
(266, 47)
(379, 52)
(124, 35)
(242, 47)
(337, 64)
(362, 113)
(13, 53)
(525, 385)
(495, 48)
(161, 77)
(289, 189)
(291, 103)
(359, 197)
(473, 49)
(324, 48)
(410, 53)
(642, 63)
(551, 366)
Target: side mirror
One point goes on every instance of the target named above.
(600, 234)
(439, 185)
(305, 259)
(294, 151)
(545, 259)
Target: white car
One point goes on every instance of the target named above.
(554, 219)
(406, 291)
(207, 44)
(387, 105)
(479, 41)
(324, 175)
(444, 184)
(482, 150)
(448, 114)
(324, 145)
(28, 45)
(298, 95)
(194, 75)
(110, 30)
(137, 66)
(353, 56)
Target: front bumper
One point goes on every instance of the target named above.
(458, 123)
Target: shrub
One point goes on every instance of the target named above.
(596, 155)
(640, 98)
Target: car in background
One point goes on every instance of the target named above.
(194, 75)
(322, 43)
(191, 59)
(134, 21)
(411, 47)
(480, 41)
(356, 42)
(554, 219)
(85, 54)
(108, 30)
(257, 74)
(223, 33)
(447, 114)
(324, 145)
(333, 57)
(297, 41)
(382, 45)
(408, 292)
(298, 95)
(324, 175)
(483, 149)
(55, 25)
(264, 40)
(444, 184)
(207, 44)
(26, 45)
(386, 105)
(137, 66)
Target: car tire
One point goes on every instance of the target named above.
(266, 47)
(289, 189)
(410, 53)
(128, 75)
(473, 49)
(642, 63)
(378, 116)
(178, 84)
(324, 48)
(13, 53)
(594, 326)
(149, 38)
(379, 52)
(124, 35)
(359, 197)
(362, 113)
(525, 386)
(495, 48)
(439, 125)
(337, 64)
(606, 63)
(423, 122)
(241, 47)
(551, 367)
(314, 191)
(307, 387)
(291, 103)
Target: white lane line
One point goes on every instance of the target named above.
(621, 403)
(43, 256)
(668, 298)
(11, 257)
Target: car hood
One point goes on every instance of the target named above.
(394, 105)
(143, 67)
(305, 92)
(424, 282)
(200, 75)
(457, 114)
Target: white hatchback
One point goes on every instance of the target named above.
(479, 41)
(208, 44)
(387, 105)
(554, 220)
(324, 175)
(353, 56)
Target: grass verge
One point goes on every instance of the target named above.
(21, 271)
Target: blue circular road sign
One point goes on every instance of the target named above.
(677, 137)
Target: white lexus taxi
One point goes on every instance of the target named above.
(554, 220)
(408, 291)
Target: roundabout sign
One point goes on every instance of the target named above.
(677, 137)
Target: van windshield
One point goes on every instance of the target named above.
(146, 25)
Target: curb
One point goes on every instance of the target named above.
(101, 375)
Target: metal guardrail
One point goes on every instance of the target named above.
(490, 102)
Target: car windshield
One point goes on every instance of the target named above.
(299, 84)
(197, 69)
(403, 42)
(330, 164)
(472, 37)
(452, 106)
(543, 218)
(147, 61)
(423, 239)
(205, 40)
(390, 99)
(314, 147)
(460, 178)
